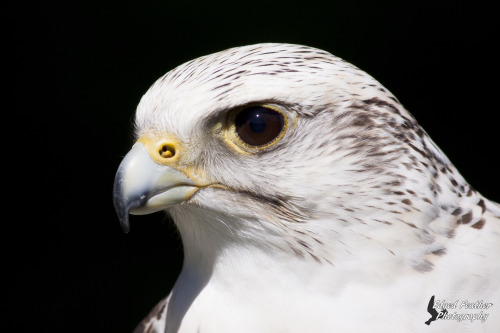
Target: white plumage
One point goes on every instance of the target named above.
(348, 218)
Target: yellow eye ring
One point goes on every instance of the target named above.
(257, 127)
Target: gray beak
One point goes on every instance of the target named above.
(143, 186)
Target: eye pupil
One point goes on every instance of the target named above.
(258, 125)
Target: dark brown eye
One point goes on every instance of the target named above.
(258, 125)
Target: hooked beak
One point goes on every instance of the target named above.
(143, 186)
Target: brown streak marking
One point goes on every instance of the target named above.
(479, 225)
(466, 218)
(482, 205)
(406, 201)
(314, 257)
(439, 252)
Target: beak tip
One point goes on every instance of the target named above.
(123, 216)
(125, 226)
(122, 210)
(124, 220)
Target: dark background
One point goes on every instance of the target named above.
(81, 68)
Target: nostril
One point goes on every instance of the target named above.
(167, 151)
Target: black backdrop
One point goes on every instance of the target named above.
(81, 68)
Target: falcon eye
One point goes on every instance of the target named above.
(258, 125)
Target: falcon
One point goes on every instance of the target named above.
(307, 200)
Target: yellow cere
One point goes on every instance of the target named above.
(167, 150)
(163, 150)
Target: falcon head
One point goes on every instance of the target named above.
(288, 151)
